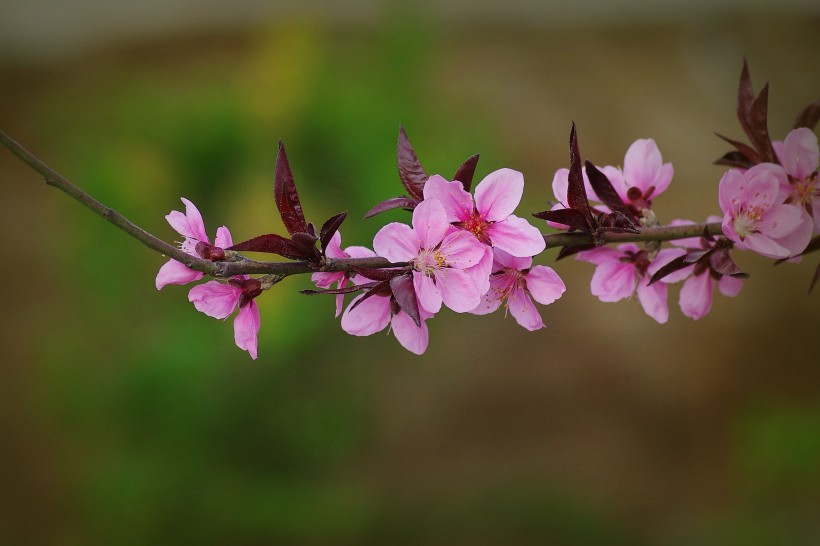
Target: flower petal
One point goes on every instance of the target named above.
(523, 310)
(498, 194)
(174, 272)
(430, 223)
(643, 165)
(246, 328)
(458, 292)
(613, 281)
(544, 284)
(504, 259)
(516, 236)
(765, 246)
(696, 296)
(665, 256)
(782, 220)
(457, 203)
(359, 252)
(730, 286)
(396, 242)
(800, 153)
(653, 299)
(461, 249)
(480, 273)
(427, 292)
(367, 318)
(223, 238)
(215, 299)
(413, 338)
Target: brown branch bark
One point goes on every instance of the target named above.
(244, 266)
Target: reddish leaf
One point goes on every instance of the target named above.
(568, 217)
(271, 243)
(330, 228)
(567, 251)
(465, 173)
(405, 296)
(377, 274)
(604, 190)
(808, 116)
(745, 150)
(307, 244)
(394, 203)
(284, 192)
(346, 290)
(379, 289)
(757, 119)
(411, 172)
(735, 159)
(614, 222)
(576, 193)
(675, 265)
(745, 98)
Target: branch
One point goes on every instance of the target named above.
(239, 265)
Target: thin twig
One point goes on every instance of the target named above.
(244, 266)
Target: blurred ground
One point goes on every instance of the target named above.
(128, 418)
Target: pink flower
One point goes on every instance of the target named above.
(220, 300)
(755, 216)
(622, 272)
(334, 250)
(518, 282)
(439, 254)
(491, 217)
(374, 313)
(800, 157)
(190, 226)
(695, 297)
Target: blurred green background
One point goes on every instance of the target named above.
(129, 418)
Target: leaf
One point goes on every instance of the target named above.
(307, 244)
(745, 97)
(411, 172)
(377, 274)
(568, 217)
(745, 150)
(465, 173)
(394, 203)
(757, 118)
(735, 159)
(576, 193)
(284, 192)
(272, 244)
(330, 228)
(346, 290)
(405, 296)
(604, 190)
(614, 222)
(675, 265)
(808, 116)
(379, 289)
(567, 251)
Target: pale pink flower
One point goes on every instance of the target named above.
(220, 300)
(376, 312)
(800, 157)
(518, 282)
(755, 216)
(190, 226)
(334, 250)
(490, 218)
(439, 254)
(622, 272)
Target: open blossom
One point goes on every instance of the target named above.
(800, 157)
(376, 312)
(334, 250)
(518, 282)
(220, 300)
(695, 297)
(622, 272)
(190, 226)
(755, 216)
(440, 256)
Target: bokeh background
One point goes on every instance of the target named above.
(126, 417)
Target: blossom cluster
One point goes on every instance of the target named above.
(470, 252)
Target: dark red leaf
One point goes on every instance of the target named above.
(745, 98)
(675, 265)
(604, 190)
(273, 244)
(330, 228)
(405, 295)
(808, 116)
(284, 192)
(567, 251)
(722, 263)
(346, 290)
(745, 150)
(576, 193)
(307, 244)
(614, 222)
(735, 159)
(377, 274)
(379, 289)
(465, 173)
(411, 172)
(394, 203)
(575, 219)
(758, 123)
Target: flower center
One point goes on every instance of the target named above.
(478, 226)
(746, 222)
(804, 191)
(428, 261)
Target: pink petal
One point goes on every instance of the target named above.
(544, 284)
(523, 310)
(730, 286)
(458, 292)
(731, 191)
(643, 165)
(427, 293)
(763, 186)
(215, 299)
(498, 194)
(782, 220)
(613, 281)
(413, 338)
(174, 272)
(491, 299)
(504, 259)
(246, 328)
(616, 178)
(461, 249)
(457, 203)
(800, 153)
(189, 224)
(430, 223)
(653, 300)
(728, 227)
(359, 252)
(369, 317)
(480, 273)
(665, 256)
(663, 180)
(334, 247)
(324, 279)
(797, 241)
(560, 185)
(396, 242)
(516, 236)
(696, 296)
(223, 238)
(763, 245)
(599, 255)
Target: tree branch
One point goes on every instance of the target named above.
(243, 266)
